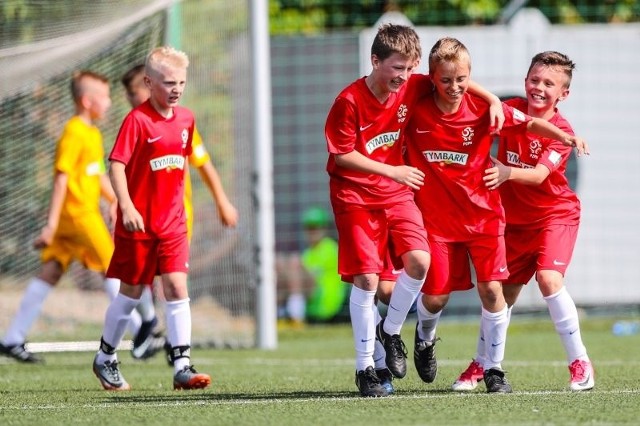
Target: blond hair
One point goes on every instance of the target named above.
(79, 80)
(556, 60)
(165, 56)
(448, 49)
(392, 38)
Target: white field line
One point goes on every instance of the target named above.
(211, 400)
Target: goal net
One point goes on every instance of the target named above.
(41, 44)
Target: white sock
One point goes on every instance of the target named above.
(494, 328)
(427, 322)
(112, 288)
(178, 318)
(404, 293)
(379, 354)
(296, 306)
(565, 318)
(32, 301)
(115, 324)
(146, 307)
(361, 304)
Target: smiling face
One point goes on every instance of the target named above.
(545, 86)
(390, 74)
(451, 81)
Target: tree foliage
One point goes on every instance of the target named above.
(313, 16)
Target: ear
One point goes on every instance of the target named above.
(375, 61)
(565, 95)
(147, 81)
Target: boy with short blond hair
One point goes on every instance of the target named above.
(449, 141)
(148, 162)
(75, 228)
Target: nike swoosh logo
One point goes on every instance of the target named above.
(392, 307)
(396, 272)
(558, 263)
(152, 140)
(571, 332)
(363, 128)
(504, 268)
(365, 340)
(496, 344)
(423, 131)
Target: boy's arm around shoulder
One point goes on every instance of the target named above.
(548, 130)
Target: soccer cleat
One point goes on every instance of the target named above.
(20, 353)
(109, 376)
(386, 379)
(369, 383)
(188, 378)
(582, 375)
(396, 351)
(496, 381)
(469, 378)
(147, 343)
(424, 358)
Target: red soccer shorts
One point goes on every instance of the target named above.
(367, 236)
(531, 250)
(138, 261)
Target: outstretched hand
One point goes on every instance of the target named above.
(578, 143)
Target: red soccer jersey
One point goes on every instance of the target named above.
(453, 150)
(358, 121)
(154, 151)
(550, 203)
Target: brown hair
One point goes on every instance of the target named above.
(392, 38)
(78, 77)
(555, 60)
(128, 77)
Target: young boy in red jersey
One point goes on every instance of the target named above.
(75, 228)
(449, 140)
(372, 198)
(542, 214)
(148, 161)
(148, 341)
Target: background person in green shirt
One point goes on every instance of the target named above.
(309, 286)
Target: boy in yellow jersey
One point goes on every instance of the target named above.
(75, 228)
(148, 341)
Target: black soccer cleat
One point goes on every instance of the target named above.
(369, 384)
(424, 358)
(20, 353)
(496, 381)
(396, 351)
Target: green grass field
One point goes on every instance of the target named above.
(308, 380)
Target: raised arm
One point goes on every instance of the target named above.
(495, 105)
(544, 128)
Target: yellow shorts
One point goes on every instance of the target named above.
(85, 239)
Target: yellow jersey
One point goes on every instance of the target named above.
(80, 155)
(199, 157)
